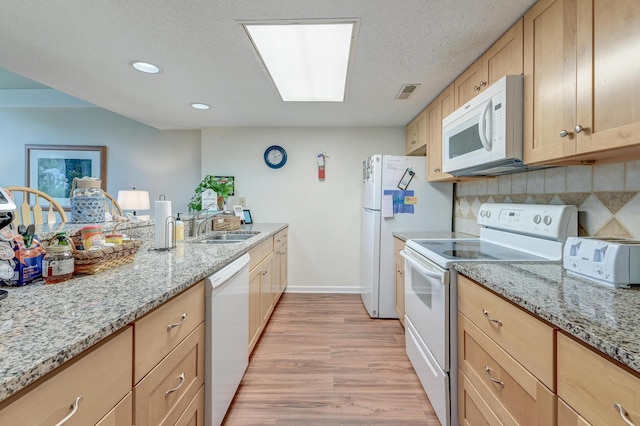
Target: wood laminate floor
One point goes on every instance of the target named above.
(323, 361)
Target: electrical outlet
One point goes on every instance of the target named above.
(242, 201)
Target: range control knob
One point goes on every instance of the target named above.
(547, 220)
(488, 214)
(537, 219)
(481, 213)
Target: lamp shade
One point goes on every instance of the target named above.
(134, 200)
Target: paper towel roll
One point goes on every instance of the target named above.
(163, 232)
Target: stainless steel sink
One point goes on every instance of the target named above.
(226, 238)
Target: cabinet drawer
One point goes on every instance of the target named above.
(122, 414)
(511, 391)
(280, 238)
(255, 256)
(568, 417)
(101, 376)
(193, 415)
(267, 247)
(165, 392)
(521, 335)
(591, 385)
(157, 333)
(472, 409)
(398, 245)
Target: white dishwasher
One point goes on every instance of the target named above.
(227, 336)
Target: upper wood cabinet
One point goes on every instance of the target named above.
(435, 112)
(582, 83)
(416, 136)
(505, 57)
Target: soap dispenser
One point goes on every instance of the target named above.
(179, 229)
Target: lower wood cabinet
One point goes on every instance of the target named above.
(596, 388)
(399, 266)
(98, 379)
(193, 415)
(472, 409)
(121, 414)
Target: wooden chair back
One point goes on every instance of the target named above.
(34, 206)
(111, 205)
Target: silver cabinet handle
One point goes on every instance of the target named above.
(170, 391)
(487, 371)
(486, 314)
(184, 318)
(74, 408)
(580, 129)
(483, 83)
(476, 88)
(564, 133)
(623, 414)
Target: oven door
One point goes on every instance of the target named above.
(427, 301)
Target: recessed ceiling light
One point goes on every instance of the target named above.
(200, 106)
(307, 61)
(146, 67)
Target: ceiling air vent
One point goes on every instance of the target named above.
(406, 91)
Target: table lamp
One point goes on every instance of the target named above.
(134, 200)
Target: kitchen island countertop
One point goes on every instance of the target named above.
(603, 317)
(43, 326)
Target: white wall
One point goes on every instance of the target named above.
(160, 161)
(323, 217)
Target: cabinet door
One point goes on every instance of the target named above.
(469, 84)
(254, 307)
(506, 55)
(284, 259)
(399, 265)
(472, 409)
(549, 80)
(608, 85)
(266, 289)
(568, 417)
(410, 136)
(435, 112)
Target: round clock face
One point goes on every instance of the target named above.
(275, 156)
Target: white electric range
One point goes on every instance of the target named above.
(509, 233)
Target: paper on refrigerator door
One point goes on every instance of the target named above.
(393, 169)
(387, 206)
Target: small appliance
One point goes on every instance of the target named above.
(396, 197)
(7, 207)
(484, 136)
(611, 261)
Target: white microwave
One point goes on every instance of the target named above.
(484, 136)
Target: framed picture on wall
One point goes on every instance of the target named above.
(52, 168)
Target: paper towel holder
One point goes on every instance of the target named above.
(169, 230)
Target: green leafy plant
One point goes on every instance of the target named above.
(223, 186)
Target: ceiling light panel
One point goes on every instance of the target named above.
(307, 62)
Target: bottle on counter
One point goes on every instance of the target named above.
(179, 229)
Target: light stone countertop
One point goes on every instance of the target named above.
(43, 326)
(603, 317)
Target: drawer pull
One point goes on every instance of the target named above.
(487, 371)
(74, 408)
(184, 318)
(170, 391)
(486, 314)
(623, 414)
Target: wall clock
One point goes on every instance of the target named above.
(275, 156)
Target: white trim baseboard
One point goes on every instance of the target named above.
(322, 289)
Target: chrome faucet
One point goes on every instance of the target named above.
(204, 216)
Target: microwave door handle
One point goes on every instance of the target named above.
(486, 141)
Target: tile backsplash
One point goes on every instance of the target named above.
(607, 196)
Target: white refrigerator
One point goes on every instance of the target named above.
(393, 200)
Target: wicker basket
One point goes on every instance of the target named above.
(226, 223)
(103, 258)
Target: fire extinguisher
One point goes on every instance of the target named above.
(321, 163)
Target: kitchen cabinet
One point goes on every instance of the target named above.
(581, 82)
(169, 358)
(121, 414)
(435, 112)
(267, 279)
(595, 387)
(399, 266)
(416, 136)
(504, 57)
(505, 359)
(97, 380)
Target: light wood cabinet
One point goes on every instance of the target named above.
(435, 112)
(267, 280)
(581, 81)
(524, 337)
(568, 417)
(595, 387)
(416, 136)
(472, 409)
(98, 379)
(504, 57)
(193, 415)
(121, 414)
(399, 265)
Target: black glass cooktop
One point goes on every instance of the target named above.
(470, 250)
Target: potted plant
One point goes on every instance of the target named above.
(223, 186)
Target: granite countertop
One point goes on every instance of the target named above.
(603, 317)
(43, 326)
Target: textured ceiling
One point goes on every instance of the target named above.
(83, 48)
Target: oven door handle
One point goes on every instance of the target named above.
(424, 271)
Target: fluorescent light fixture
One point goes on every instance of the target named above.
(307, 62)
(198, 105)
(145, 67)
